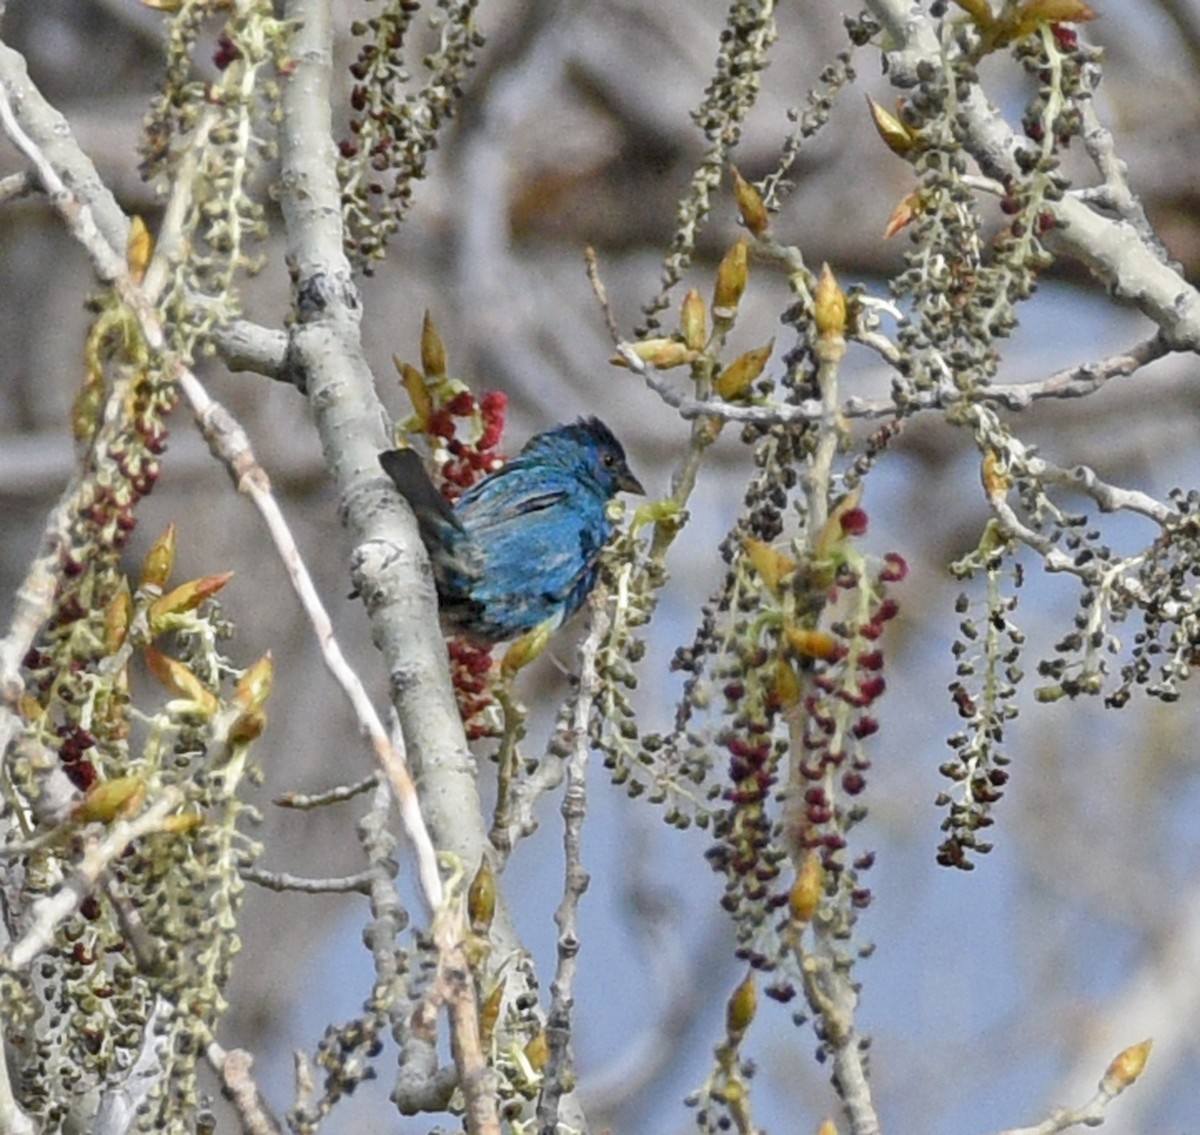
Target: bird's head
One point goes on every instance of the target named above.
(589, 445)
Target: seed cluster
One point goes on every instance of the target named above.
(141, 963)
(219, 133)
(393, 130)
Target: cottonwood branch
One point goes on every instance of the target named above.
(1113, 250)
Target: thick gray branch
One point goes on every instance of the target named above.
(325, 350)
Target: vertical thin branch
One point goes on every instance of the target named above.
(575, 876)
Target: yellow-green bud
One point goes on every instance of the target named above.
(433, 350)
(750, 204)
(732, 276)
(805, 895)
(159, 561)
(186, 597)
(693, 321)
(741, 1007)
(1126, 1068)
(737, 378)
(481, 897)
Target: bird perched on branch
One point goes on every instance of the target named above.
(521, 548)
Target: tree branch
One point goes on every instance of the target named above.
(390, 569)
(1112, 250)
(575, 875)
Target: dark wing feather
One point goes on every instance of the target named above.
(407, 472)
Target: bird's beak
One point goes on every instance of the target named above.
(628, 483)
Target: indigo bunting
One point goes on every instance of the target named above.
(521, 547)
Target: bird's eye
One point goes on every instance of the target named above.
(608, 460)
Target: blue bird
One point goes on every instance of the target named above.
(520, 548)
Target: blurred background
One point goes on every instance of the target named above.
(991, 996)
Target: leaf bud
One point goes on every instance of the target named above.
(139, 247)
(660, 353)
(741, 1007)
(117, 616)
(995, 478)
(181, 682)
(481, 898)
(254, 686)
(526, 649)
(418, 393)
(186, 597)
(693, 320)
(903, 214)
(182, 822)
(537, 1051)
(1126, 1068)
(896, 136)
(805, 895)
(732, 275)
(786, 689)
(829, 306)
(810, 642)
(248, 727)
(107, 800)
(750, 204)
(737, 378)
(433, 350)
(771, 564)
(159, 561)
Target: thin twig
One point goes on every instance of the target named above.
(601, 292)
(229, 442)
(283, 881)
(575, 876)
(1123, 1071)
(1071, 382)
(306, 801)
(17, 185)
(1101, 148)
(457, 990)
(233, 1068)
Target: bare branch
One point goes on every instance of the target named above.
(16, 186)
(233, 1068)
(1113, 251)
(1071, 382)
(390, 570)
(303, 802)
(283, 881)
(1123, 1070)
(575, 876)
(243, 345)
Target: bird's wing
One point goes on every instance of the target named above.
(541, 534)
(516, 493)
(407, 472)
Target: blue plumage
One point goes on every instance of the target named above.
(522, 546)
